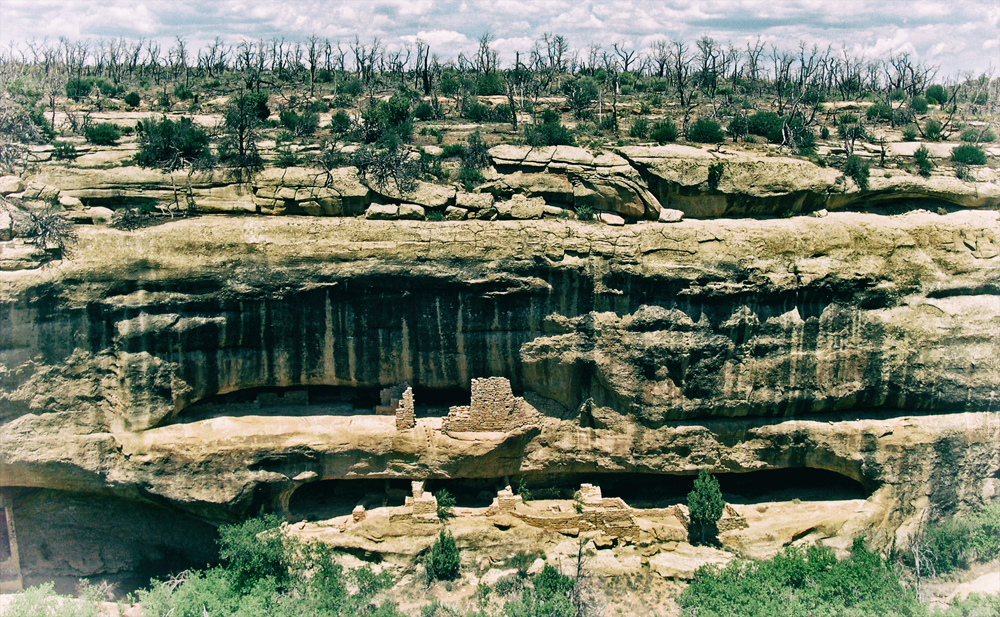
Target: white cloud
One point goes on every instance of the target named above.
(952, 33)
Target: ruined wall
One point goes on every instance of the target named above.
(494, 408)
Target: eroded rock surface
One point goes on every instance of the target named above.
(860, 344)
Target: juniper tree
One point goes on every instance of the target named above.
(705, 503)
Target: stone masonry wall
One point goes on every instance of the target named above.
(494, 408)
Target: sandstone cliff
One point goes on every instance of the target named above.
(859, 343)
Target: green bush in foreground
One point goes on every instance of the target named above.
(956, 543)
(797, 582)
(444, 558)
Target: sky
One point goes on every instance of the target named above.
(956, 35)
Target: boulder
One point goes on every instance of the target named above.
(610, 218)
(424, 194)
(11, 184)
(454, 213)
(608, 193)
(382, 212)
(70, 203)
(669, 215)
(411, 212)
(521, 207)
(311, 208)
(551, 187)
(474, 201)
(100, 216)
(36, 191)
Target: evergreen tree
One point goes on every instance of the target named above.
(444, 559)
(705, 503)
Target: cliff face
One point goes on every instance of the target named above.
(862, 344)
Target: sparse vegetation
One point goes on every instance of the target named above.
(171, 145)
(549, 132)
(856, 168)
(922, 157)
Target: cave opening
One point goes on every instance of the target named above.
(288, 401)
(328, 499)
(318, 400)
(331, 498)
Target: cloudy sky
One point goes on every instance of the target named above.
(957, 35)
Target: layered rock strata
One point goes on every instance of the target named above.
(860, 344)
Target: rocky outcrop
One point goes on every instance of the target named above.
(749, 184)
(861, 344)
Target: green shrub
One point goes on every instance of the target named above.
(932, 130)
(132, 99)
(585, 212)
(715, 171)
(353, 87)
(919, 104)
(182, 92)
(340, 122)
(445, 504)
(444, 557)
(43, 601)
(77, 89)
(824, 133)
(103, 134)
(797, 582)
(856, 168)
(639, 128)
(879, 111)
(254, 550)
(705, 131)
(64, 151)
(387, 119)
(972, 135)
(550, 132)
(768, 125)
(452, 150)
(343, 101)
(470, 178)
(170, 144)
(318, 106)
(937, 94)
(163, 100)
(909, 133)
(923, 159)
(509, 585)
(968, 155)
(549, 582)
(664, 131)
(305, 123)
(489, 84)
(476, 154)
(425, 111)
